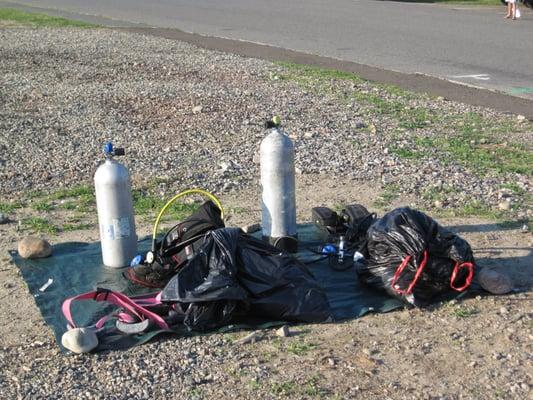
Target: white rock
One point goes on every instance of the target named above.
(79, 340)
(197, 109)
(283, 331)
(251, 228)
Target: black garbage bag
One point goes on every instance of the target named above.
(412, 257)
(235, 275)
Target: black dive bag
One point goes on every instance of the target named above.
(177, 246)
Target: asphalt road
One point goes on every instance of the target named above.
(471, 45)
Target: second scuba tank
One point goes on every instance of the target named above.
(277, 180)
(115, 210)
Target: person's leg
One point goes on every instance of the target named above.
(508, 10)
(513, 10)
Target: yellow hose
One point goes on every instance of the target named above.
(185, 193)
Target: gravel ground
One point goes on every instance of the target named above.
(65, 93)
(191, 117)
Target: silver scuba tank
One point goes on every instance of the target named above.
(278, 202)
(115, 210)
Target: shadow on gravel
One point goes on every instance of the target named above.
(495, 227)
(518, 265)
(513, 260)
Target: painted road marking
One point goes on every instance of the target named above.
(521, 90)
(479, 77)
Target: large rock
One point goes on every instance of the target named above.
(79, 340)
(494, 282)
(33, 247)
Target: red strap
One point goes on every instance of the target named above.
(456, 269)
(120, 300)
(400, 269)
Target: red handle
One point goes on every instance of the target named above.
(400, 269)
(456, 269)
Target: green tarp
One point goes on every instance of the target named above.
(77, 268)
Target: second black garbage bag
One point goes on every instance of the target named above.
(412, 257)
(235, 275)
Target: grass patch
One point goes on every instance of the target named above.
(40, 20)
(39, 225)
(312, 388)
(306, 74)
(434, 193)
(9, 207)
(514, 187)
(414, 118)
(473, 142)
(318, 80)
(300, 348)
(477, 208)
(146, 203)
(42, 206)
(67, 205)
(476, 145)
(76, 191)
(461, 312)
(196, 393)
(284, 388)
(254, 384)
(402, 152)
(68, 227)
(390, 192)
(79, 198)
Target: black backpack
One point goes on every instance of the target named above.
(352, 222)
(175, 248)
(357, 219)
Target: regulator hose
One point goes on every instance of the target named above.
(205, 193)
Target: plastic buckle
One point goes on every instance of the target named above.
(99, 291)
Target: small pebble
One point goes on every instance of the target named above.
(283, 331)
(4, 219)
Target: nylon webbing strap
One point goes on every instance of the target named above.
(131, 305)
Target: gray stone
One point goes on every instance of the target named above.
(4, 219)
(250, 338)
(494, 282)
(33, 247)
